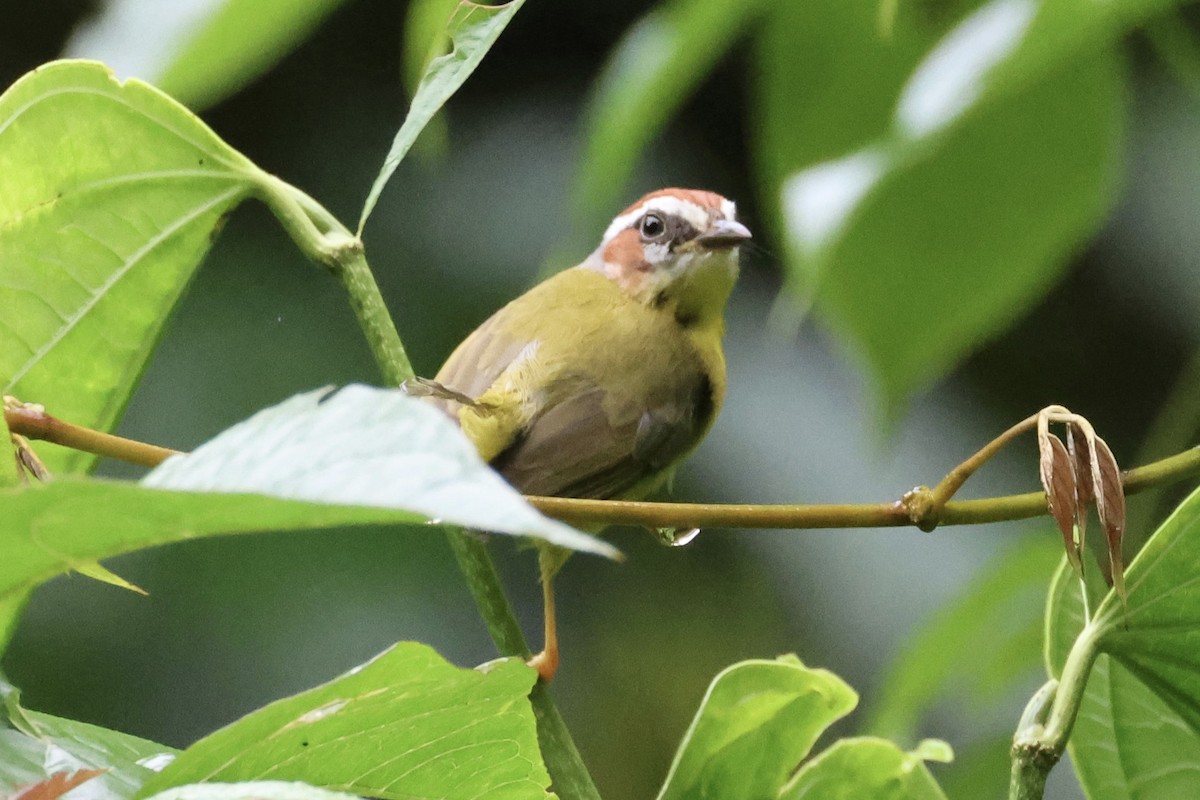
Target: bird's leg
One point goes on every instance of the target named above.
(546, 662)
(550, 561)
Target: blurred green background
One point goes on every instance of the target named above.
(230, 624)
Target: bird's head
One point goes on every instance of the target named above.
(676, 249)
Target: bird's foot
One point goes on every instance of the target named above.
(546, 664)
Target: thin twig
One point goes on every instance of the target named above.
(899, 513)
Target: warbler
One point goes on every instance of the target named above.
(598, 381)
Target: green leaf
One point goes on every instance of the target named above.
(98, 572)
(364, 446)
(377, 455)
(47, 529)
(426, 38)
(1155, 633)
(951, 203)
(755, 724)
(1137, 732)
(251, 790)
(473, 30)
(864, 767)
(952, 657)
(806, 122)
(947, 243)
(406, 724)
(201, 52)
(656, 66)
(110, 197)
(1126, 742)
(67, 746)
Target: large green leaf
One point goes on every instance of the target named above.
(202, 50)
(68, 746)
(866, 767)
(364, 446)
(950, 203)
(406, 724)
(1156, 633)
(758, 720)
(1137, 733)
(656, 66)
(804, 121)
(361, 456)
(46, 530)
(110, 196)
(473, 30)
(916, 256)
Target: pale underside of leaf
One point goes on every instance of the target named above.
(365, 447)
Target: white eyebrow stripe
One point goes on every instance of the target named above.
(670, 206)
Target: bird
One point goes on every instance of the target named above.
(598, 381)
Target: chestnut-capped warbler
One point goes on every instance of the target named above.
(598, 381)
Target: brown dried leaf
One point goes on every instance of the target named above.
(1107, 483)
(1077, 446)
(1058, 479)
(28, 462)
(57, 785)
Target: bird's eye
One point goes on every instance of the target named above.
(652, 226)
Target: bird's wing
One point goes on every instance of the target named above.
(554, 432)
(588, 445)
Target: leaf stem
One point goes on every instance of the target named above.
(325, 240)
(31, 420)
(1045, 727)
(471, 552)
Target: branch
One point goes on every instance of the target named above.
(913, 509)
(901, 513)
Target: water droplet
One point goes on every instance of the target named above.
(675, 537)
